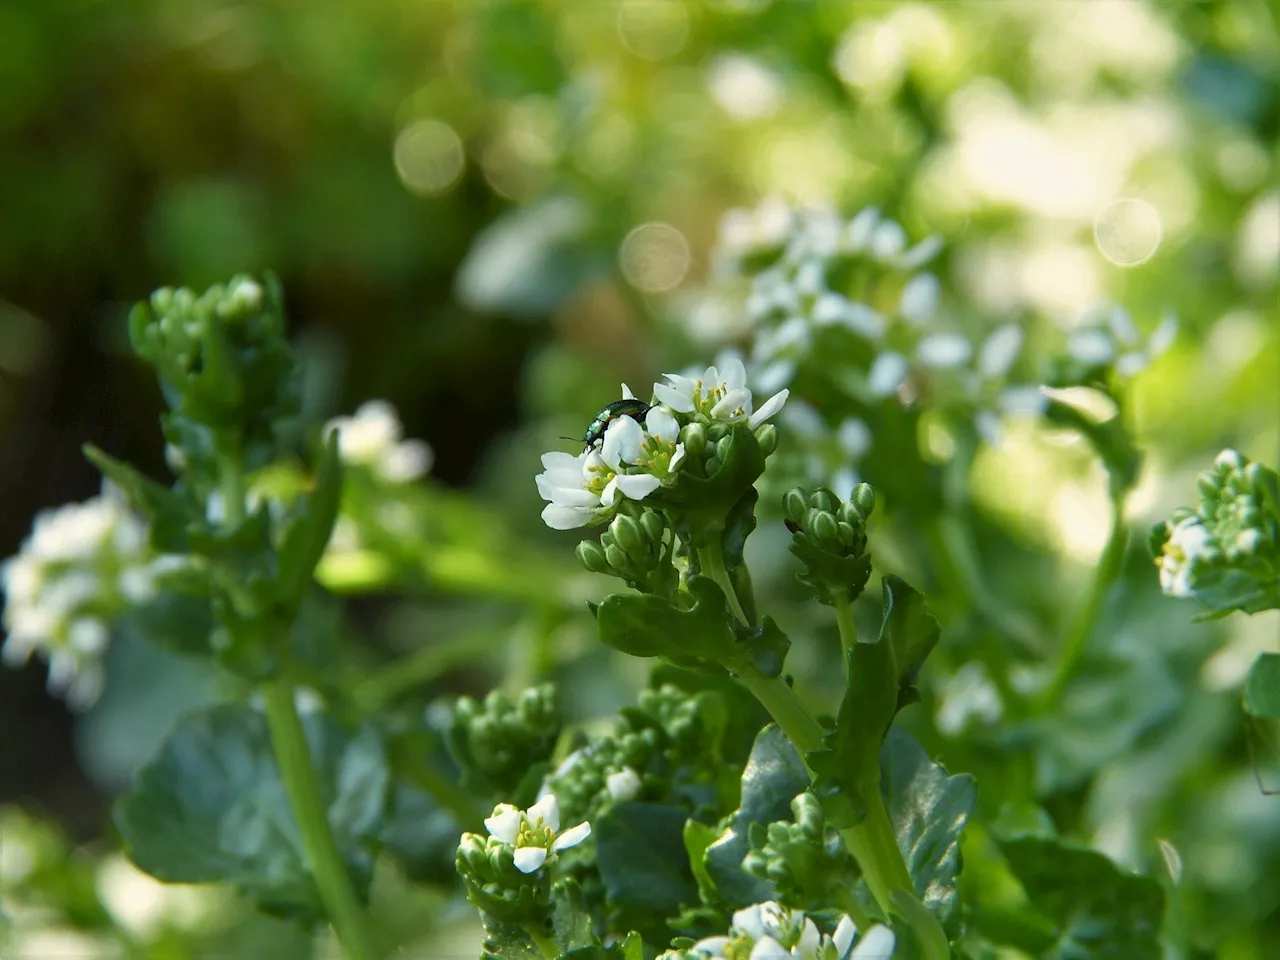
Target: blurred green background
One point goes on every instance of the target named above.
(489, 213)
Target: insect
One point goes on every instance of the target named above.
(628, 407)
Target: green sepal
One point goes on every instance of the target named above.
(210, 807)
(1262, 687)
(700, 501)
(308, 530)
(703, 636)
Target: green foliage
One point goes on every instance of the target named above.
(211, 808)
(644, 866)
(502, 745)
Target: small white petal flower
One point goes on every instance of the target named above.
(505, 823)
(1091, 345)
(529, 859)
(623, 785)
(534, 833)
(876, 944)
(843, 938)
(887, 373)
(372, 438)
(572, 837)
(661, 424)
(712, 946)
(857, 235)
(768, 948)
(919, 255)
(546, 812)
(775, 376)
(673, 398)
(622, 442)
(768, 409)
(751, 920)
(1132, 363)
(888, 240)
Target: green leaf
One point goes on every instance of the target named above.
(1101, 911)
(570, 918)
(700, 501)
(828, 574)
(421, 834)
(774, 774)
(181, 622)
(210, 807)
(910, 630)
(506, 941)
(701, 637)
(307, 536)
(928, 809)
(643, 864)
(167, 512)
(1262, 687)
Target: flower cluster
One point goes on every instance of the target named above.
(1226, 553)
(79, 566)
(636, 457)
(373, 438)
(768, 931)
(534, 834)
(1107, 337)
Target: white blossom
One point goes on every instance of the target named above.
(1188, 539)
(918, 302)
(534, 833)
(769, 931)
(623, 785)
(1110, 336)
(718, 395)
(888, 372)
(373, 438)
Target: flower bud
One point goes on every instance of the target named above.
(823, 499)
(864, 498)
(591, 555)
(767, 438)
(653, 526)
(626, 532)
(847, 533)
(713, 466)
(694, 438)
(722, 448)
(824, 527)
(617, 558)
(716, 430)
(794, 506)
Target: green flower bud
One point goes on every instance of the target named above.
(694, 438)
(628, 535)
(617, 558)
(591, 555)
(864, 498)
(824, 527)
(713, 466)
(653, 526)
(823, 499)
(722, 448)
(717, 430)
(767, 437)
(847, 534)
(794, 506)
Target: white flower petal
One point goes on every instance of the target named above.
(750, 920)
(733, 374)
(944, 351)
(920, 254)
(988, 426)
(712, 946)
(1163, 336)
(622, 785)
(504, 825)
(626, 393)
(728, 405)
(568, 496)
(1122, 325)
(572, 837)
(676, 458)
(673, 398)
(857, 235)
(1131, 364)
(843, 937)
(775, 376)
(769, 408)
(767, 948)
(887, 373)
(529, 859)
(854, 437)
(622, 442)
(1023, 400)
(810, 939)
(1091, 345)
(547, 812)
(636, 486)
(566, 518)
(999, 351)
(888, 240)
(609, 493)
(864, 321)
(661, 424)
(876, 944)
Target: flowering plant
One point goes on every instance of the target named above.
(768, 795)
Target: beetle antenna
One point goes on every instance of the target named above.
(574, 439)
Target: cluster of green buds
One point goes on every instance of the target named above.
(829, 537)
(657, 751)
(803, 859)
(769, 931)
(637, 547)
(707, 445)
(229, 377)
(1225, 554)
(504, 872)
(499, 741)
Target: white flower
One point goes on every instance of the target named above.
(1186, 541)
(1109, 335)
(768, 931)
(887, 373)
(632, 461)
(944, 351)
(832, 308)
(718, 395)
(623, 785)
(373, 438)
(999, 351)
(919, 300)
(534, 833)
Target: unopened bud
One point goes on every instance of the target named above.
(823, 499)
(847, 533)
(794, 506)
(864, 498)
(617, 558)
(591, 555)
(713, 466)
(767, 438)
(626, 532)
(722, 448)
(653, 526)
(694, 438)
(824, 527)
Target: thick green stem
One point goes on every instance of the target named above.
(844, 620)
(1086, 617)
(872, 842)
(303, 790)
(712, 559)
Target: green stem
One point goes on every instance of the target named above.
(844, 620)
(847, 903)
(712, 559)
(232, 490)
(546, 945)
(1086, 618)
(872, 842)
(395, 679)
(303, 790)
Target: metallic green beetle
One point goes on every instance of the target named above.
(629, 407)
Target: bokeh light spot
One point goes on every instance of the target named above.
(653, 29)
(654, 257)
(428, 155)
(1128, 231)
